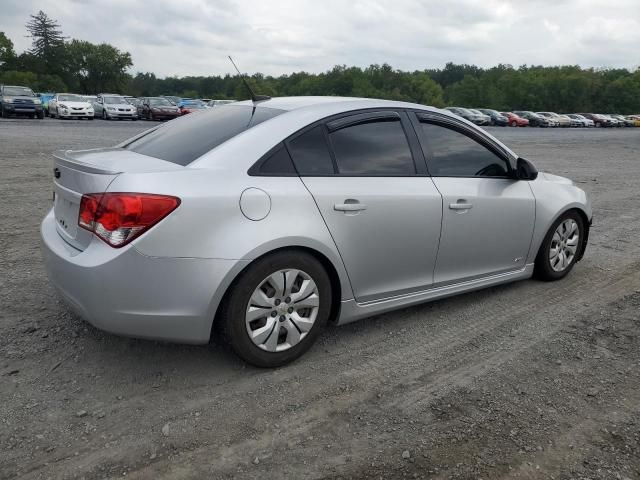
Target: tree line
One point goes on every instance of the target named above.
(56, 63)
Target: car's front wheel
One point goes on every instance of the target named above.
(277, 308)
(561, 247)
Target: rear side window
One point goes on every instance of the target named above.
(454, 154)
(182, 141)
(310, 153)
(373, 148)
(277, 164)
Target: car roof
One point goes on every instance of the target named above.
(298, 113)
(349, 103)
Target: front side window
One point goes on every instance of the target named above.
(376, 148)
(454, 154)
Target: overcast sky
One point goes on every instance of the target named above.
(193, 37)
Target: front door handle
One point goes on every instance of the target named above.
(350, 206)
(460, 206)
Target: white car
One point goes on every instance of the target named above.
(69, 105)
(110, 107)
(580, 120)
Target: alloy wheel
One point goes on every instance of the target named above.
(564, 245)
(282, 310)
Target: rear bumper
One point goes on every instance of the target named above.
(125, 292)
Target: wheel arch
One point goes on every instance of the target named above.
(337, 284)
(580, 210)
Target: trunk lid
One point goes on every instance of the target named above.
(91, 171)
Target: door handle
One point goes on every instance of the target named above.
(460, 206)
(350, 206)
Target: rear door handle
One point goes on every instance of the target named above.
(460, 206)
(350, 206)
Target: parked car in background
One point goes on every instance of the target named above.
(17, 100)
(624, 121)
(535, 120)
(515, 120)
(110, 107)
(70, 105)
(340, 182)
(572, 121)
(44, 99)
(580, 120)
(173, 99)
(564, 122)
(614, 121)
(136, 102)
(635, 119)
(90, 98)
(158, 108)
(477, 118)
(218, 103)
(495, 117)
(598, 119)
(486, 119)
(190, 106)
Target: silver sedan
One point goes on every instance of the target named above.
(263, 222)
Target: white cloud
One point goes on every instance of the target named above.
(193, 37)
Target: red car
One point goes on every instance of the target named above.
(515, 120)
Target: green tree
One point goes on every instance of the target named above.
(96, 68)
(48, 41)
(7, 54)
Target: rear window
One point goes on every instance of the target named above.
(182, 141)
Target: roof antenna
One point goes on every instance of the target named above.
(254, 98)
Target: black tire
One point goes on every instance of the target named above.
(543, 269)
(233, 309)
(51, 114)
(90, 118)
(104, 115)
(152, 117)
(514, 124)
(40, 115)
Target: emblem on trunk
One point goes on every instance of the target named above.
(56, 172)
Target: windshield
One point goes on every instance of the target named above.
(182, 141)
(18, 91)
(160, 102)
(70, 98)
(114, 100)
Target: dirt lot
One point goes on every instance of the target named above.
(530, 380)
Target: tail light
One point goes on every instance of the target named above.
(118, 218)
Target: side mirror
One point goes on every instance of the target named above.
(525, 170)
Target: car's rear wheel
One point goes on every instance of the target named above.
(514, 124)
(561, 247)
(277, 308)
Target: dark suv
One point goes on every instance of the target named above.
(15, 100)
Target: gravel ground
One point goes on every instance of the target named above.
(529, 380)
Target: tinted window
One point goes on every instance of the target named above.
(183, 140)
(454, 154)
(310, 153)
(277, 163)
(375, 148)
